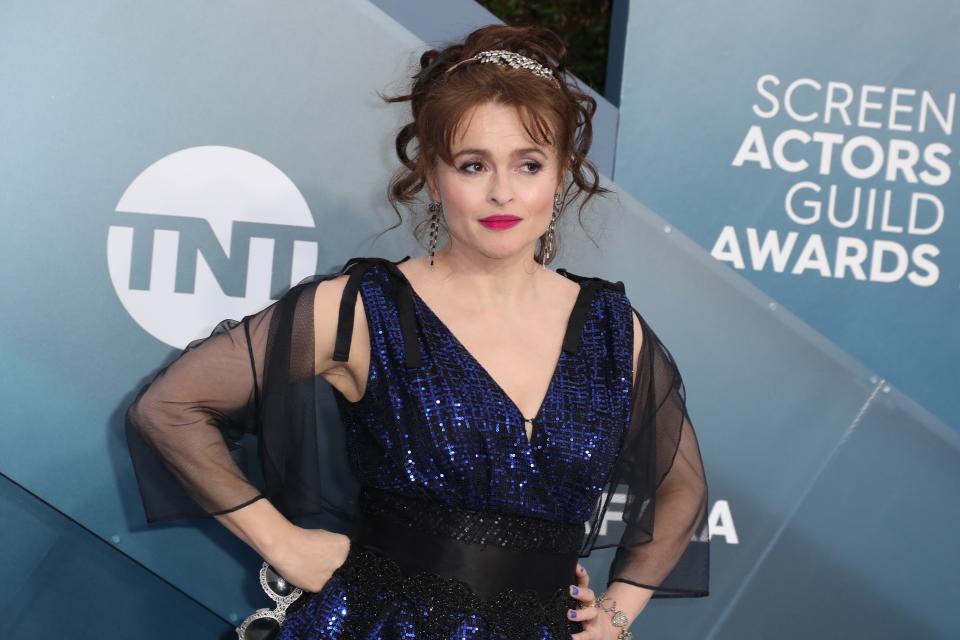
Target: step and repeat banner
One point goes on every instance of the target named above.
(811, 148)
(174, 164)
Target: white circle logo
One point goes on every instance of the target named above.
(207, 233)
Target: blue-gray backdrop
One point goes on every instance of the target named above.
(238, 146)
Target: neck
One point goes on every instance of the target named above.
(490, 281)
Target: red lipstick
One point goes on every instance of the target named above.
(500, 221)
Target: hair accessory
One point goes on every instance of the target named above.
(510, 59)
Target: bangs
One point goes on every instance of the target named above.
(449, 116)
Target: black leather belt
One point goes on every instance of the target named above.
(491, 552)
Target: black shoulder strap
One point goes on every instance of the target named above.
(348, 304)
(600, 282)
(357, 267)
(588, 287)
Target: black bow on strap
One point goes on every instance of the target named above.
(408, 319)
(588, 286)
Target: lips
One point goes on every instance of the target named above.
(500, 221)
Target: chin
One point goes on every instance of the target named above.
(501, 251)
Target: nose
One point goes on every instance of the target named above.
(501, 191)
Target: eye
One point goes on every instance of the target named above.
(536, 166)
(473, 163)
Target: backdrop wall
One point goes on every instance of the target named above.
(181, 163)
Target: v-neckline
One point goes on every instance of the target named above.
(489, 377)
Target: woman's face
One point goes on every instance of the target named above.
(497, 171)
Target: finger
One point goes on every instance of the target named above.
(583, 594)
(582, 615)
(582, 578)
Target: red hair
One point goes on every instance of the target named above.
(557, 116)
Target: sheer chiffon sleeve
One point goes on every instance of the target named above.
(252, 376)
(659, 483)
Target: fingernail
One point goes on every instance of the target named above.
(572, 612)
(574, 590)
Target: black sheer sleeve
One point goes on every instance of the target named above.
(659, 482)
(252, 376)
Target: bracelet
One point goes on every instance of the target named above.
(620, 619)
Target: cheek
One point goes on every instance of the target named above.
(540, 201)
(462, 195)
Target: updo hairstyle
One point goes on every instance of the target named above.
(552, 115)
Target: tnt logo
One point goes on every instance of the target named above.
(204, 234)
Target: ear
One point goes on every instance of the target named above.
(432, 189)
(562, 168)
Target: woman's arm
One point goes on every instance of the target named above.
(185, 425)
(664, 549)
(631, 599)
(261, 526)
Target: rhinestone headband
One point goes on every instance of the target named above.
(510, 59)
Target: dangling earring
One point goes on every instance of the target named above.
(549, 245)
(435, 207)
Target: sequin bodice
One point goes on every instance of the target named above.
(434, 424)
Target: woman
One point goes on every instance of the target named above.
(492, 408)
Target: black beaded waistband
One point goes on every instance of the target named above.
(468, 525)
(490, 552)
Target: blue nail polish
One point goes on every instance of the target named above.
(573, 613)
(574, 590)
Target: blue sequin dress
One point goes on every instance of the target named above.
(462, 526)
(446, 432)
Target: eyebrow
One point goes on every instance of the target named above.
(485, 153)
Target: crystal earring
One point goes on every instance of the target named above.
(435, 208)
(550, 244)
